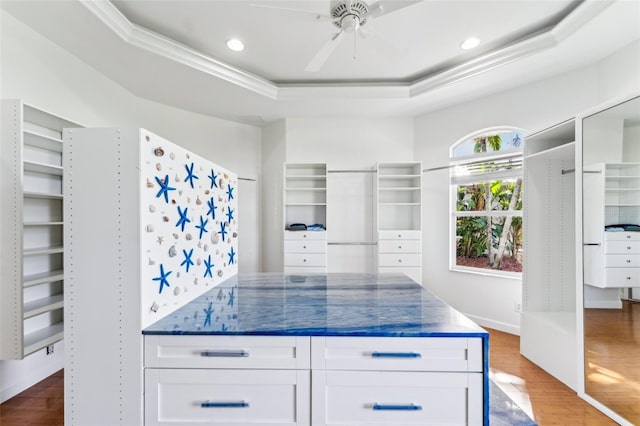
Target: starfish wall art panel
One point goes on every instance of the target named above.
(189, 226)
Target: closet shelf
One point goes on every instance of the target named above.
(29, 194)
(43, 337)
(43, 223)
(306, 177)
(43, 141)
(306, 189)
(40, 306)
(43, 277)
(305, 204)
(48, 169)
(396, 189)
(561, 152)
(43, 250)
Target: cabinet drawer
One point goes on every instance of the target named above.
(302, 246)
(305, 235)
(397, 353)
(226, 397)
(619, 247)
(622, 277)
(399, 246)
(302, 259)
(622, 261)
(276, 352)
(624, 236)
(396, 398)
(399, 235)
(387, 259)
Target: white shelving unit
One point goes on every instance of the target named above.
(305, 202)
(32, 233)
(398, 217)
(548, 326)
(611, 259)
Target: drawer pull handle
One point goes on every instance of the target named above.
(628, 277)
(396, 407)
(304, 247)
(591, 244)
(224, 404)
(400, 247)
(396, 355)
(628, 260)
(225, 354)
(628, 247)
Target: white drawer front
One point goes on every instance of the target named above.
(302, 259)
(276, 352)
(226, 397)
(622, 261)
(625, 236)
(399, 235)
(622, 277)
(399, 246)
(302, 246)
(620, 247)
(397, 353)
(413, 273)
(396, 398)
(406, 259)
(305, 235)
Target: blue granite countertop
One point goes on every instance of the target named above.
(318, 305)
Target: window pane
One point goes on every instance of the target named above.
(498, 141)
(496, 194)
(504, 234)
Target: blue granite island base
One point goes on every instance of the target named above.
(331, 349)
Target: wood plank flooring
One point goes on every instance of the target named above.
(550, 402)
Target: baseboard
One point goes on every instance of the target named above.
(603, 304)
(496, 325)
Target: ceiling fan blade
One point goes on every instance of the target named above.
(384, 7)
(322, 16)
(323, 54)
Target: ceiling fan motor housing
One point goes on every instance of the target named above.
(345, 17)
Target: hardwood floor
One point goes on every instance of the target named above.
(613, 373)
(548, 401)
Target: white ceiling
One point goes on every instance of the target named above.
(410, 63)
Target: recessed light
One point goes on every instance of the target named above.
(235, 45)
(470, 43)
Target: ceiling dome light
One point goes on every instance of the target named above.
(470, 43)
(235, 45)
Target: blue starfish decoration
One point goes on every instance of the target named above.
(212, 209)
(229, 214)
(230, 192)
(164, 188)
(162, 278)
(224, 327)
(222, 231)
(208, 265)
(232, 256)
(187, 259)
(213, 178)
(232, 298)
(202, 226)
(183, 218)
(190, 176)
(208, 311)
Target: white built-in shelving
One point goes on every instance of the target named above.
(32, 233)
(548, 323)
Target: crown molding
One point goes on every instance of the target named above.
(142, 38)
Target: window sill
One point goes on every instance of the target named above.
(487, 272)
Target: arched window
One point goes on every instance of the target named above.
(486, 195)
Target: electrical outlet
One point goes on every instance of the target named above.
(517, 306)
(49, 349)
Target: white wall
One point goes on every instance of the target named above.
(486, 299)
(47, 77)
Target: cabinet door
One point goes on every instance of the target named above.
(227, 397)
(396, 398)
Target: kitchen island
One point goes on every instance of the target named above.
(331, 349)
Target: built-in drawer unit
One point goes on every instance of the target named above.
(305, 252)
(279, 352)
(396, 398)
(622, 277)
(400, 252)
(227, 397)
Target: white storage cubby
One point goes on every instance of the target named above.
(398, 217)
(32, 247)
(548, 336)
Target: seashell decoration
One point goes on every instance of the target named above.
(206, 247)
(149, 183)
(220, 273)
(165, 218)
(215, 237)
(172, 251)
(198, 200)
(159, 152)
(177, 178)
(176, 291)
(235, 235)
(178, 274)
(147, 138)
(158, 166)
(152, 262)
(154, 307)
(198, 261)
(176, 236)
(221, 184)
(172, 156)
(188, 236)
(226, 176)
(149, 228)
(152, 208)
(195, 281)
(207, 192)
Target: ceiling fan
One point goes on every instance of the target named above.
(349, 17)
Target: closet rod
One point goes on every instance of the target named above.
(247, 179)
(592, 171)
(351, 171)
(568, 171)
(352, 243)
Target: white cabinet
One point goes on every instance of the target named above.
(318, 381)
(548, 324)
(32, 247)
(611, 254)
(305, 202)
(398, 217)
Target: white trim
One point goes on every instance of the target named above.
(487, 177)
(606, 410)
(495, 273)
(491, 213)
(496, 325)
(603, 304)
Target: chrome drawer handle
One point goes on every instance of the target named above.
(304, 260)
(629, 236)
(400, 247)
(225, 354)
(628, 247)
(628, 277)
(395, 355)
(224, 404)
(628, 260)
(396, 407)
(304, 247)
